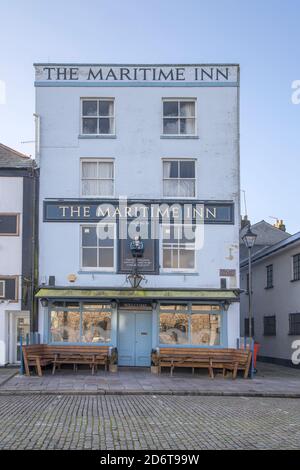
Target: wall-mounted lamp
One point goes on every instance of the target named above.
(154, 305)
(44, 302)
(114, 304)
(225, 305)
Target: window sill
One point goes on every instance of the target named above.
(179, 136)
(295, 280)
(96, 272)
(95, 136)
(269, 287)
(178, 273)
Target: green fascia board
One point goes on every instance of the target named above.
(136, 294)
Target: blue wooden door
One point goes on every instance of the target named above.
(134, 339)
(126, 343)
(143, 341)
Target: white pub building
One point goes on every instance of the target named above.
(139, 206)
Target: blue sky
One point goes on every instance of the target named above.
(262, 35)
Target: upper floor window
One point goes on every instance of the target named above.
(9, 288)
(179, 178)
(179, 117)
(98, 116)
(269, 276)
(270, 325)
(97, 177)
(9, 224)
(296, 267)
(178, 248)
(294, 320)
(98, 247)
(2, 289)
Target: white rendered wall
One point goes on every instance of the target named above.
(138, 150)
(11, 200)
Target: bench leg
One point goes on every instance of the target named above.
(27, 371)
(193, 370)
(234, 373)
(53, 368)
(211, 369)
(38, 367)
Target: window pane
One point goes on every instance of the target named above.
(205, 329)
(89, 257)
(64, 326)
(173, 328)
(89, 169)
(105, 126)
(186, 259)
(8, 224)
(166, 258)
(171, 169)
(89, 108)
(107, 237)
(187, 108)
(106, 169)
(186, 188)
(89, 236)
(170, 126)
(106, 108)
(170, 108)
(96, 327)
(106, 258)
(105, 188)
(187, 126)
(89, 126)
(171, 188)
(90, 188)
(187, 169)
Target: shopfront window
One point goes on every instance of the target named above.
(80, 323)
(190, 325)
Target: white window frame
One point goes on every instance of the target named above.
(179, 100)
(161, 250)
(97, 160)
(179, 159)
(2, 294)
(95, 268)
(113, 133)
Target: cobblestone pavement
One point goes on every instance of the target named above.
(148, 422)
(270, 380)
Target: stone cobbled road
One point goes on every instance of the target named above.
(148, 422)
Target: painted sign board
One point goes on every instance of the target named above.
(93, 211)
(136, 75)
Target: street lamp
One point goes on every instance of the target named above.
(137, 251)
(249, 240)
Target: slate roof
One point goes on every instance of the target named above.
(270, 250)
(267, 235)
(10, 158)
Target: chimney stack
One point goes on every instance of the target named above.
(279, 224)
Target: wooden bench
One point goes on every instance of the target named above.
(41, 355)
(36, 355)
(92, 356)
(205, 358)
